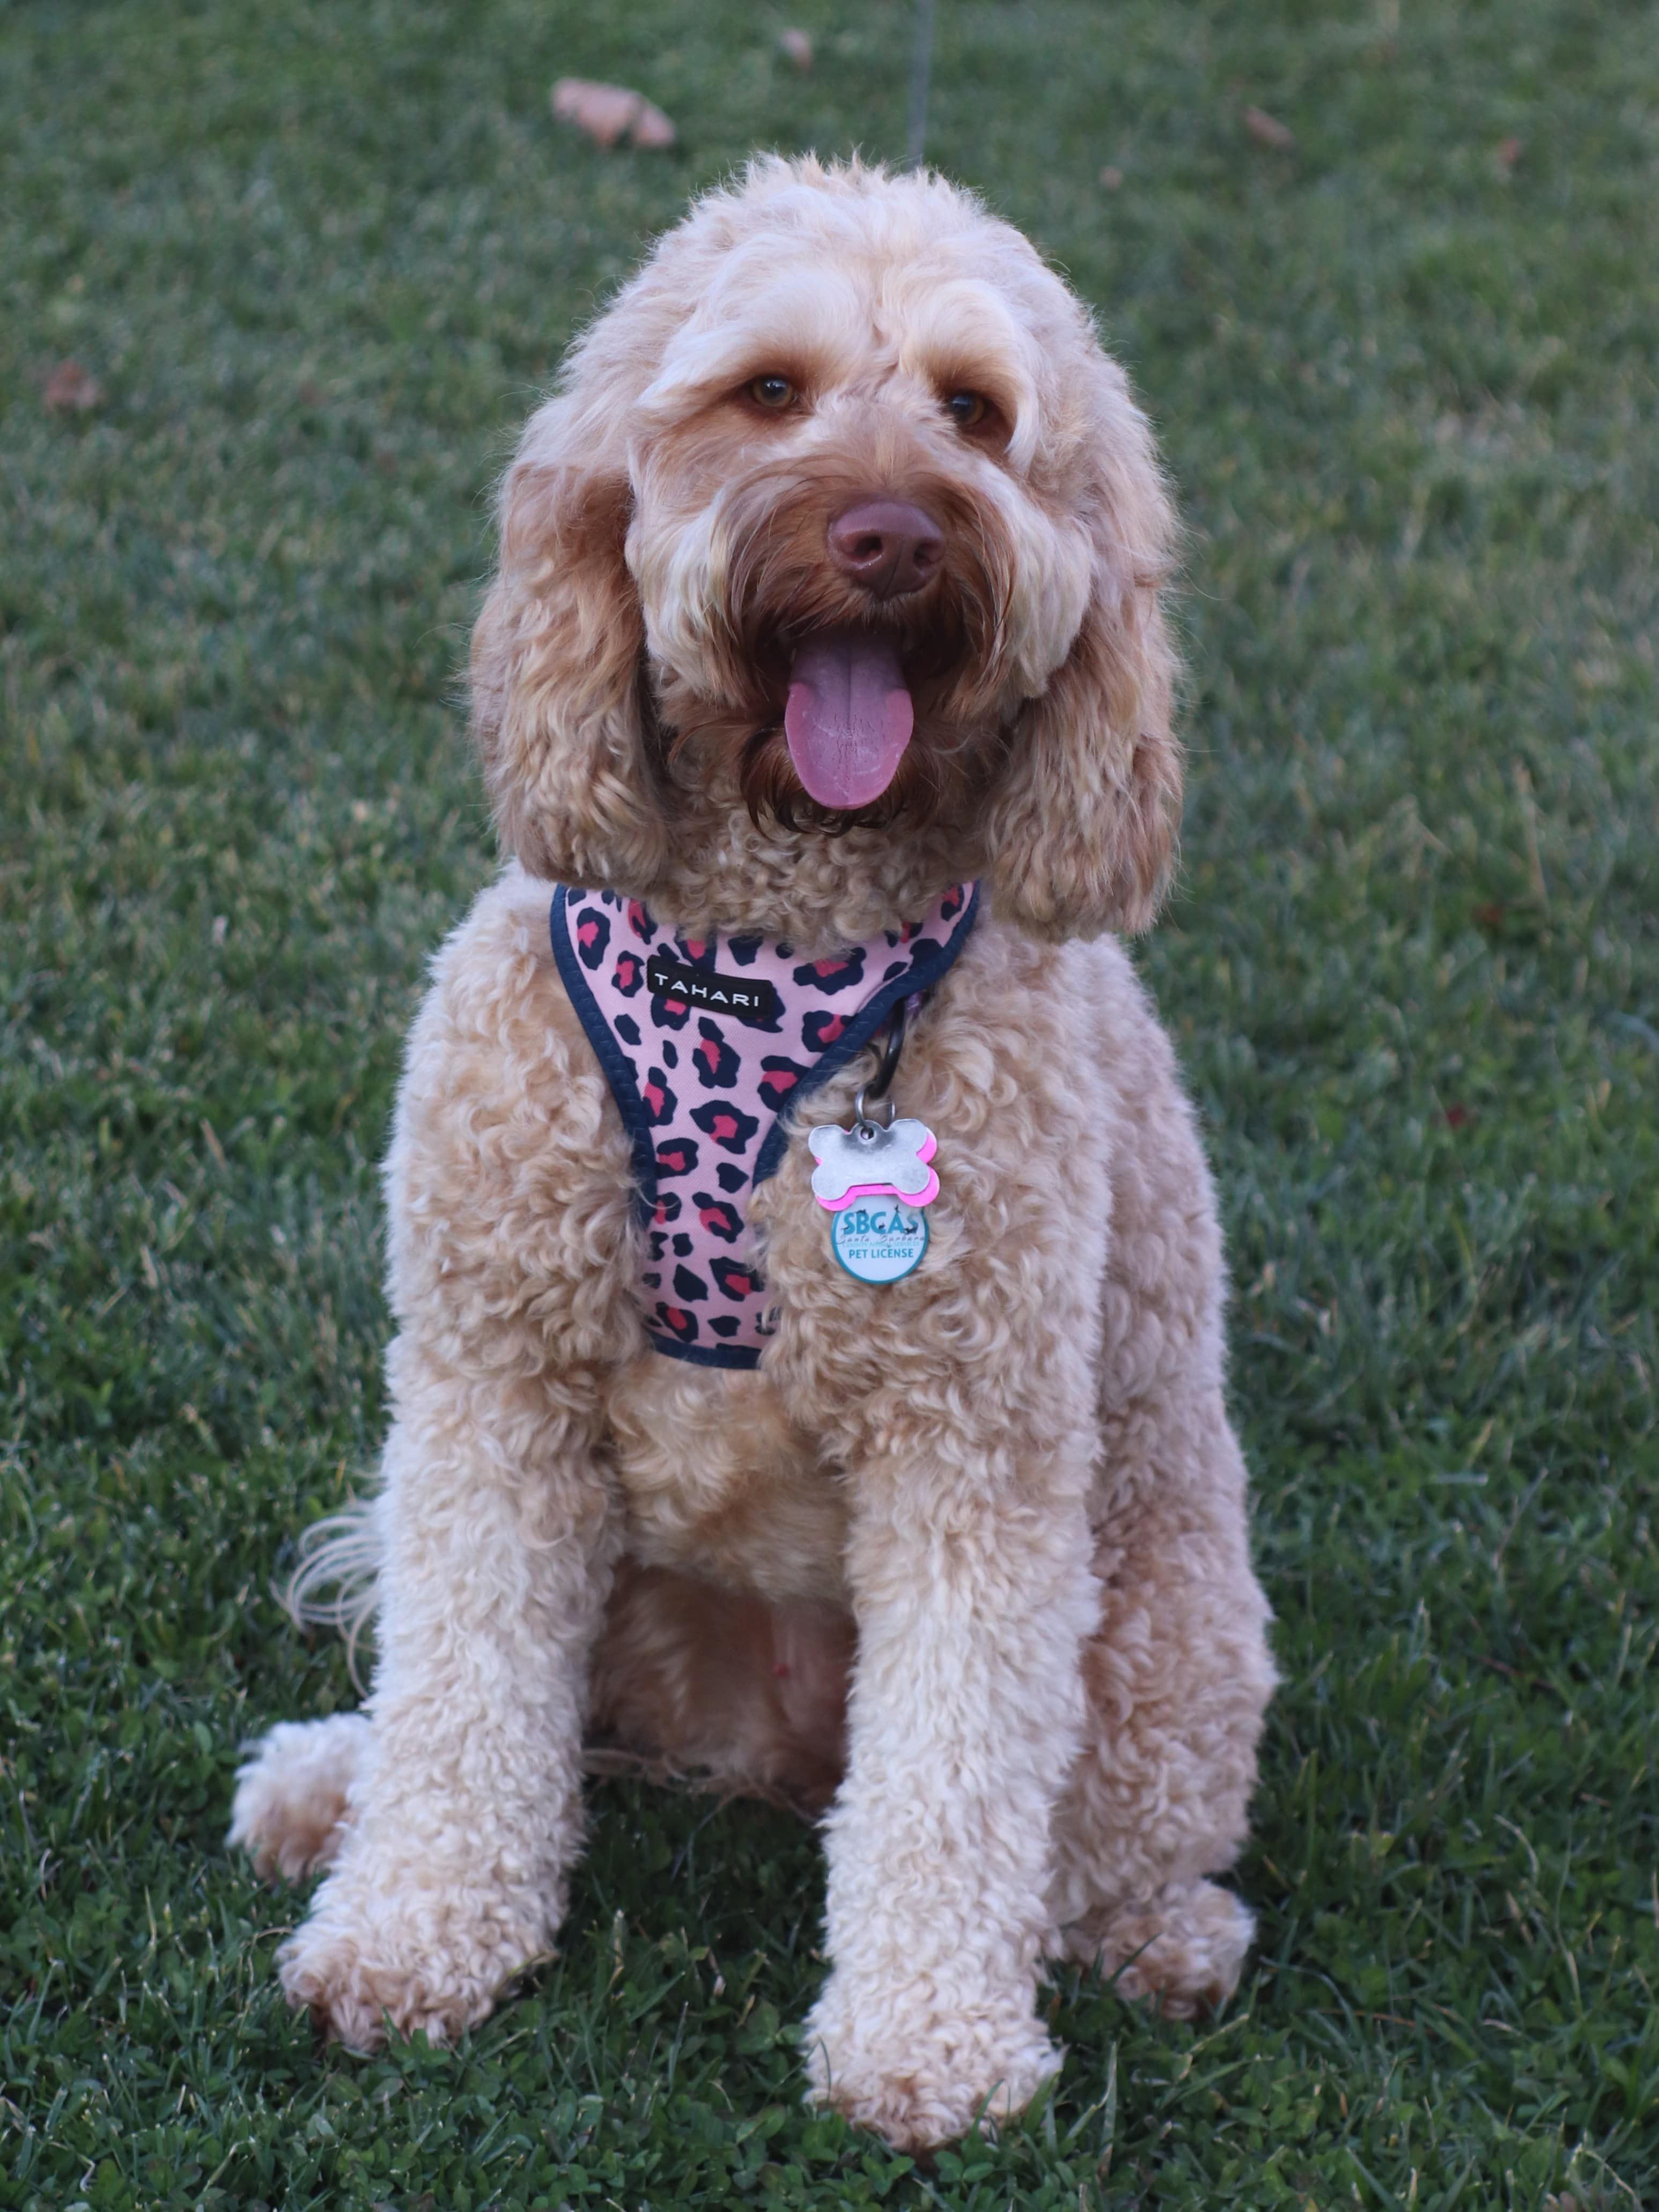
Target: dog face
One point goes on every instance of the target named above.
(846, 571)
(843, 515)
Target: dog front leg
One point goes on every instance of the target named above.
(966, 1705)
(497, 1541)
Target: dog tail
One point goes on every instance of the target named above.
(335, 1584)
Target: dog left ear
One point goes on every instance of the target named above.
(1081, 834)
(557, 714)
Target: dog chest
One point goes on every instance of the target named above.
(718, 1482)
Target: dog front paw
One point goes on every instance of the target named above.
(373, 1952)
(919, 2083)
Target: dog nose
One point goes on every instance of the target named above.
(887, 545)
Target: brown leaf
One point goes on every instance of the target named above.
(1267, 130)
(605, 111)
(1111, 178)
(71, 389)
(1510, 151)
(651, 127)
(602, 111)
(798, 46)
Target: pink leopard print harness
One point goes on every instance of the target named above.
(706, 1044)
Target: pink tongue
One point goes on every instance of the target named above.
(848, 717)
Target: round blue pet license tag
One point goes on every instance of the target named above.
(880, 1240)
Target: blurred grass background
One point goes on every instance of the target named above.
(319, 258)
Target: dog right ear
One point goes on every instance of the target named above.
(557, 668)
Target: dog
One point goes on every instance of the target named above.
(823, 698)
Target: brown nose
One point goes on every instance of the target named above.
(888, 546)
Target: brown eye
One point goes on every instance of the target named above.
(967, 410)
(774, 393)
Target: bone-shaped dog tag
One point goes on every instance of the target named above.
(874, 1181)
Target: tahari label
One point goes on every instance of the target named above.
(747, 997)
(879, 1240)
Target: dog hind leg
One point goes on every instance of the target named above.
(1178, 1677)
(1178, 1674)
(293, 1795)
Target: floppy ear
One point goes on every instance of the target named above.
(1081, 834)
(555, 668)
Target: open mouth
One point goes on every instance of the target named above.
(849, 715)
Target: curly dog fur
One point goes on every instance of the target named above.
(965, 1559)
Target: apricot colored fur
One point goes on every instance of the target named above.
(966, 1557)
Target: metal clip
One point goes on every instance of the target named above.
(897, 1021)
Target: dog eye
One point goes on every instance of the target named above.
(774, 393)
(967, 410)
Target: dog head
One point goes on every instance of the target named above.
(841, 516)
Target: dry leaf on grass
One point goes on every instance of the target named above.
(797, 46)
(1509, 153)
(71, 389)
(651, 127)
(1111, 177)
(1267, 130)
(605, 111)
(602, 111)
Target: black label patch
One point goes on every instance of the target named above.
(747, 997)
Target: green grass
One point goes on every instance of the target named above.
(319, 257)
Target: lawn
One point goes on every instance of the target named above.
(318, 259)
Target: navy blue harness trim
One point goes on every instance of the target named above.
(934, 963)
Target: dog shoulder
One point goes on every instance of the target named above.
(494, 972)
(1079, 1004)
(1079, 1019)
(505, 1157)
(1113, 1007)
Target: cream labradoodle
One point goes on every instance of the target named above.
(829, 591)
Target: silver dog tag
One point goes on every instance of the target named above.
(866, 1160)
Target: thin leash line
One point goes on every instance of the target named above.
(922, 59)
